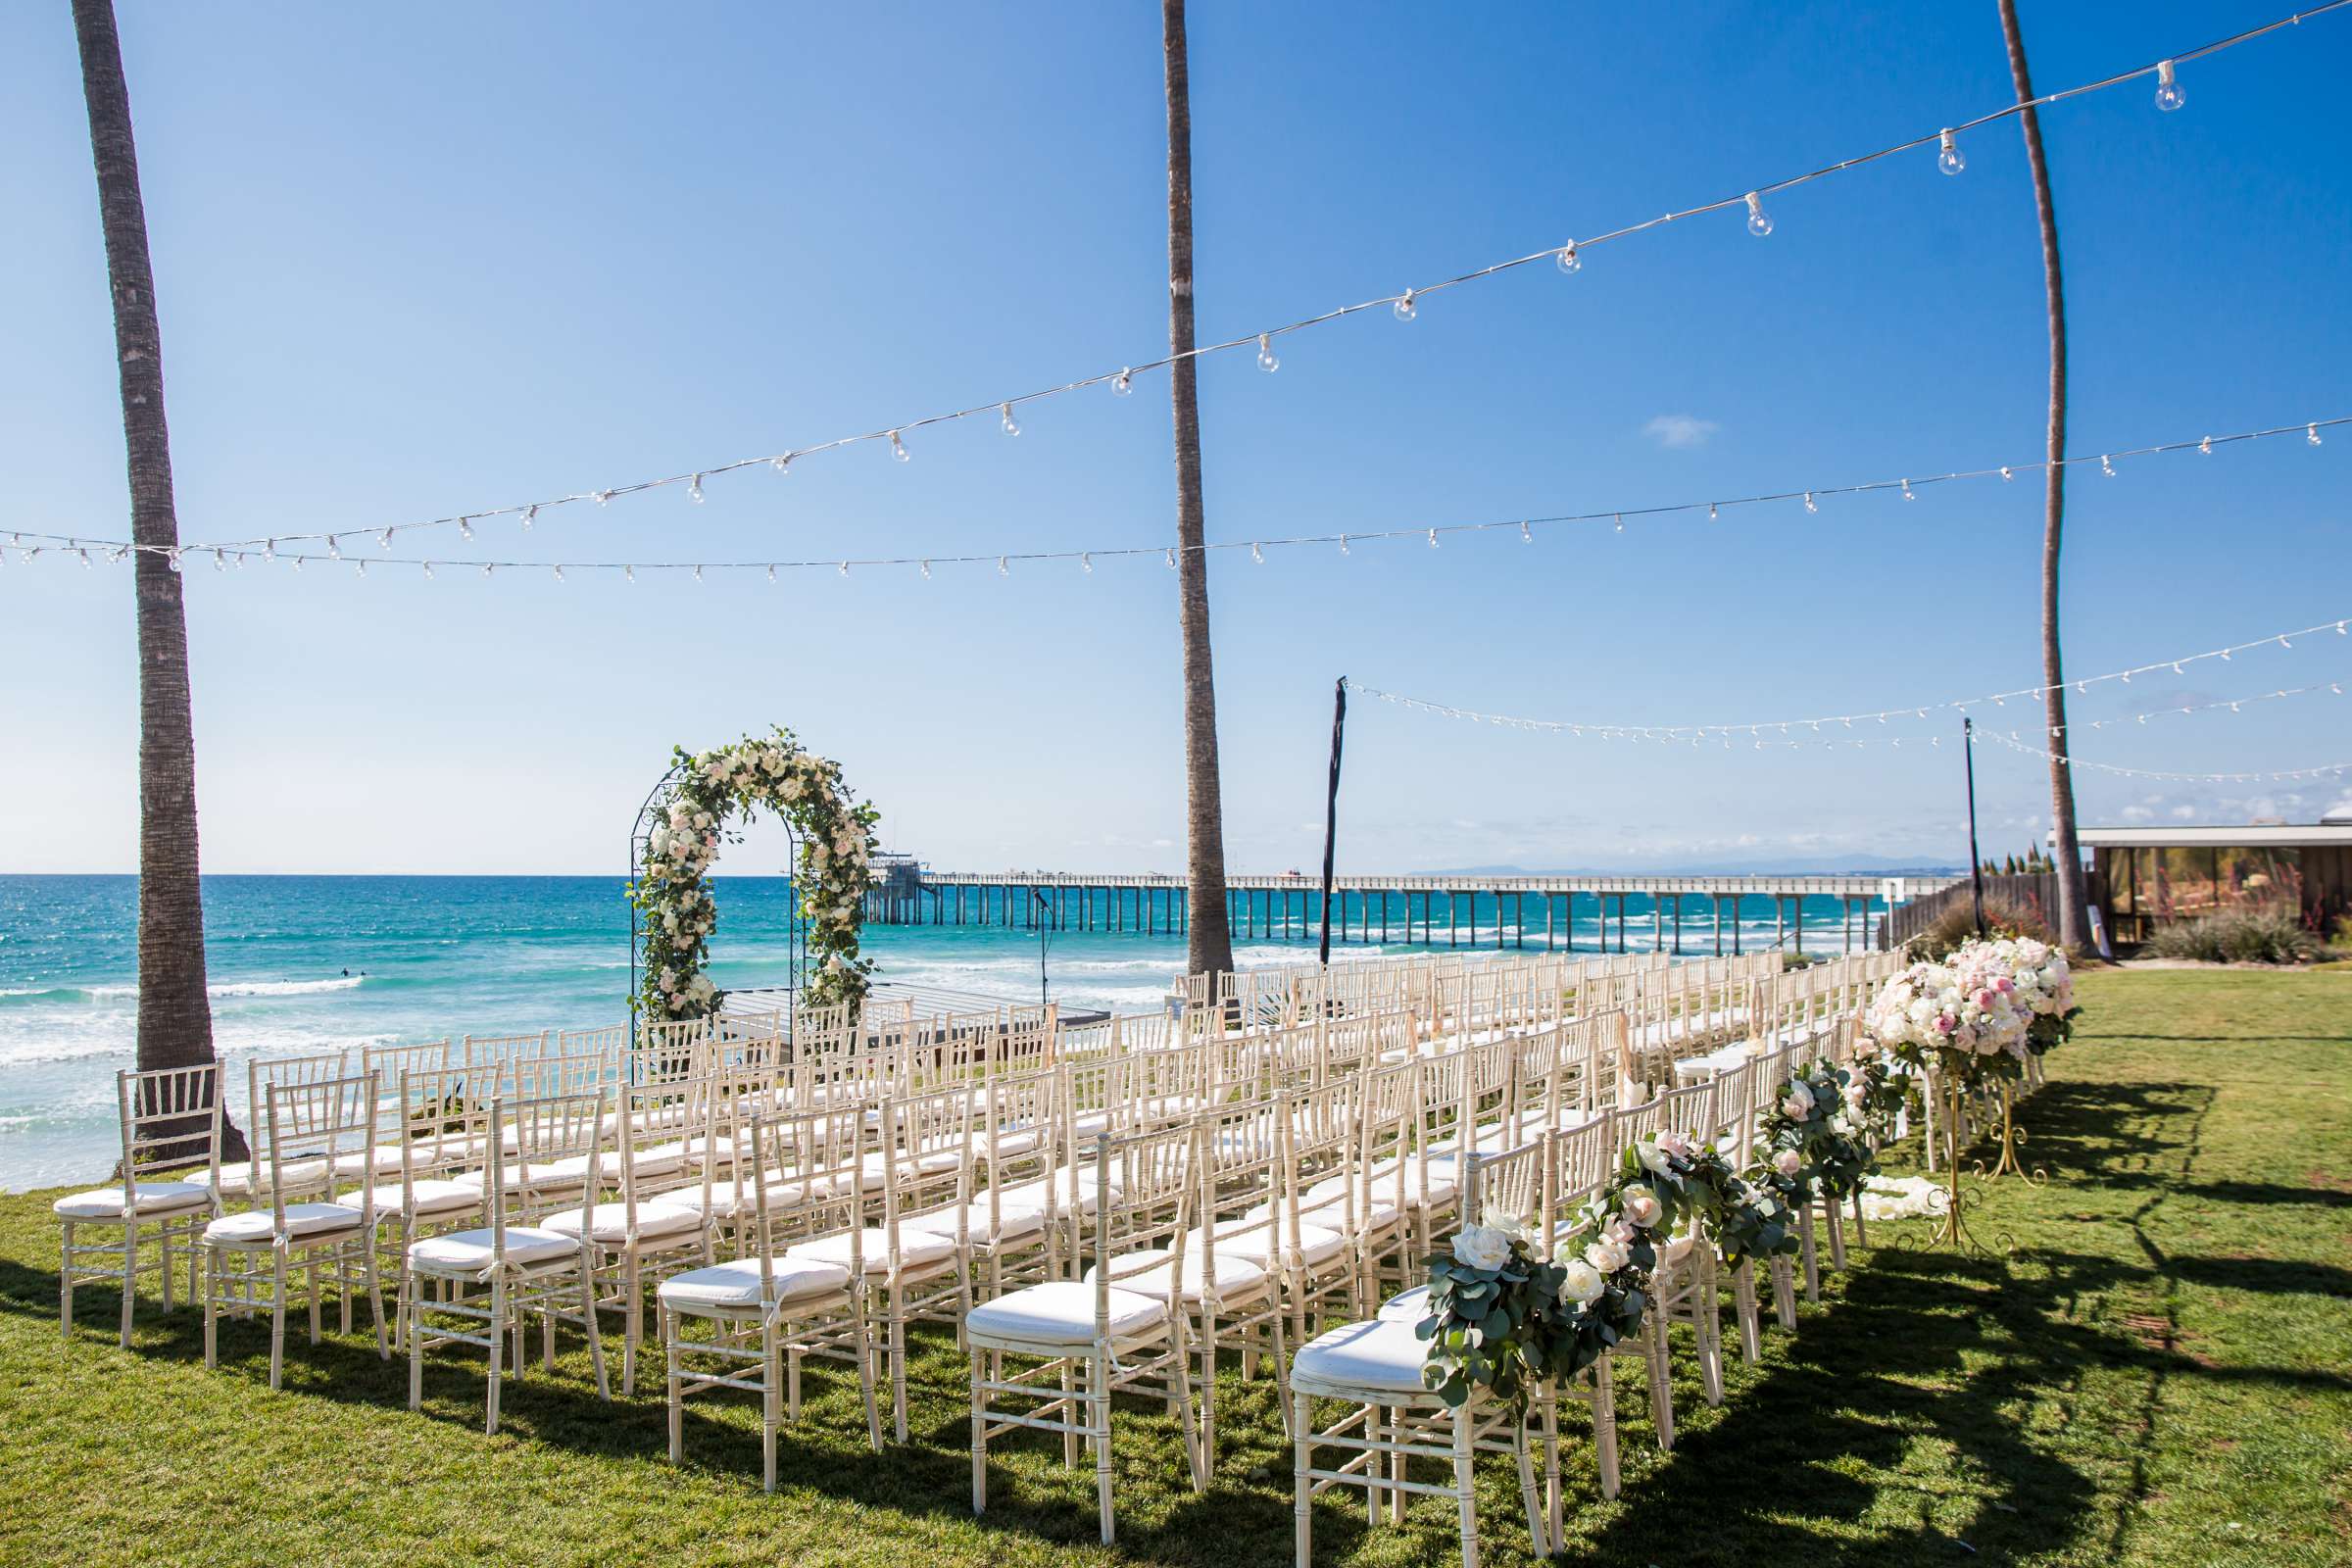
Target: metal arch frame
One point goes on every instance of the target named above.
(796, 946)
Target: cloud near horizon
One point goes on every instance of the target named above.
(1678, 431)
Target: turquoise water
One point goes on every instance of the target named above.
(309, 962)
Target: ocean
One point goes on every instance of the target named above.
(303, 963)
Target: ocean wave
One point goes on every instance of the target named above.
(226, 988)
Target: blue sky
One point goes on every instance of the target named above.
(443, 259)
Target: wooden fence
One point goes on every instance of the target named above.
(2036, 892)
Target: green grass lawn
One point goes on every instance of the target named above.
(2162, 1373)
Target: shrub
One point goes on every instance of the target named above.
(2257, 935)
(1958, 923)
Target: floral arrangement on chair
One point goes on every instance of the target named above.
(1743, 1219)
(777, 773)
(1812, 1141)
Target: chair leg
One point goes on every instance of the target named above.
(375, 1302)
(866, 1379)
(978, 1359)
(65, 1283)
(498, 1348)
(596, 1336)
(130, 1277)
(1744, 1310)
(770, 1380)
(1303, 1519)
(278, 1318)
(1097, 1420)
(1069, 1438)
(1528, 1496)
(1605, 1425)
(1465, 1499)
(672, 1393)
(1661, 1381)
(632, 1325)
(1179, 1363)
(412, 1306)
(1548, 1400)
(897, 1363)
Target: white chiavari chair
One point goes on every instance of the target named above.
(767, 1311)
(1374, 1368)
(1123, 1327)
(329, 1245)
(438, 1136)
(169, 1119)
(499, 1276)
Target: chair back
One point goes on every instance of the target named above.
(310, 1126)
(169, 1119)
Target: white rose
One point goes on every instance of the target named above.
(1639, 1205)
(1653, 1157)
(1480, 1247)
(1787, 1162)
(1580, 1282)
(1798, 1103)
(1607, 1254)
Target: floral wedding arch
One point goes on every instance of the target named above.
(708, 793)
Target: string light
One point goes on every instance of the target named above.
(1003, 571)
(1266, 361)
(1123, 382)
(1086, 564)
(2256, 775)
(1556, 252)
(1012, 425)
(466, 529)
(1681, 732)
(530, 515)
(898, 448)
(694, 491)
(334, 548)
(1403, 307)
(1171, 560)
(1525, 537)
(2168, 93)
(1257, 556)
(1713, 508)
(1907, 495)
(1759, 223)
(1568, 260)
(1948, 155)
(2311, 434)
(2106, 466)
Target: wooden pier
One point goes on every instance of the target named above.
(1521, 911)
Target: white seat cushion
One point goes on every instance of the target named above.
(1405, 1307)
(739, 1199)
(666, 1159)
(471, 1251)
(608, 1223)
(550, 1175)
(918, 1249)
(1062, 1313)
(242, 1178)
(1332, 1216)
(1013, 1221)
(1373, 1357)
(1237, 1279)
(384, 1162)
(432, 1195)
(1032, 1193)
(155, 1198)
(256, 1226)
(736, 1285)
(1313, 1245)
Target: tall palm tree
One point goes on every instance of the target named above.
(2073, 922)
(175, 1017)
(1210, 931)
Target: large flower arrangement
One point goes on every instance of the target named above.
(2045, 988)
(1963, 1014)
(773, 773)
(1812, 1140)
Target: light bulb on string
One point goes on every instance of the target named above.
(1567, 260)
(1013, 426)
(1907, 495)
(1948, 155)
(2311, 434)
(1433, 538)
(1171, 558)
(298, 563)
(694, 489)
(1811, 504)
(1266, 361)
(1712, 514)
(2168, 93)
(1759, 223)
(428, 569)
(1257, 554)
(1621, 523)
(898, 448)
(83, 552)
(360, 569)
(1003, 571)
(1344, 545)
(466, 529)
(845, 569)
(1403, 308)
(1123, 382)
(2106, 466)
(2007, 473)
(384, 539)
(603, 498)
(698, 574)
(558, 575)
(781, 464)
(771, 571)
(926, 571)
(1525, 537)
(530, 515)
(488, 568)
(269, 550)
(2206, 446)
(1085, 562)
(630, 572)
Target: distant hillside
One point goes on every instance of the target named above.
(1849, 865)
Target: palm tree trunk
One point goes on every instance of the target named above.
(1210, 932)
(175, 1017)
(2074, 923)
